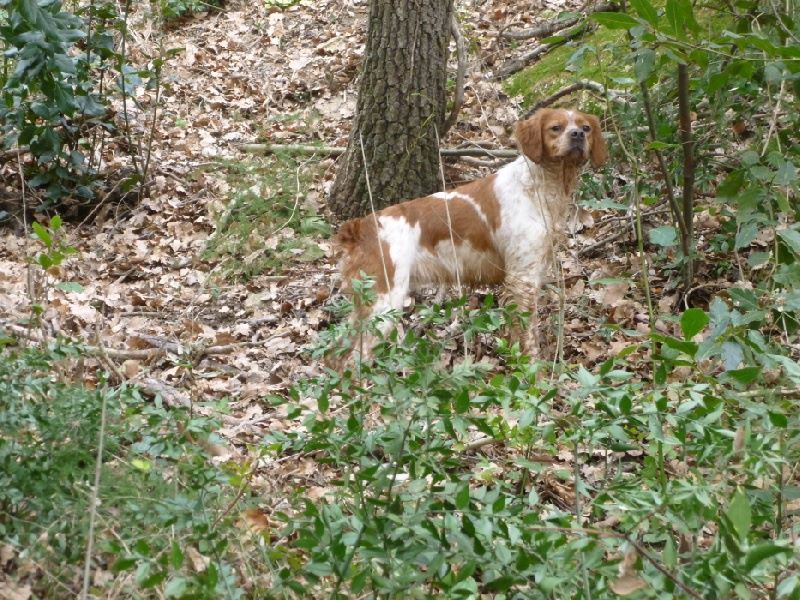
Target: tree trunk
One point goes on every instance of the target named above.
(400, 108)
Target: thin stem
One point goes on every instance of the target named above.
(98, 469)
(662, 165)
(685, 128)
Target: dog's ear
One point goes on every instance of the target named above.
(529, 137)
(599, 152)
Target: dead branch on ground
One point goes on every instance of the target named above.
(583, 84)
(517, 64)
(550, 27)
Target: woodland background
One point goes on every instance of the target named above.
(167, 426)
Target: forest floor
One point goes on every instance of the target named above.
(180, 297)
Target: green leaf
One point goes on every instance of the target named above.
(462, 497)
(501, 584)
(739, 514)
(692, 322)
(615, 20)
(689, 348)
(658, 145)
(787, 173)
(176, 587)
(646, 10)
(731, 352)
(778, 419)
(745, 375)
(790, 367)
(644, 64)
(461, 401)
(55, 223)
(731, 185)
(788, 587)
(758, 259)
(762, 552)
(792, 239)
(176, 556)
(743, 298)
(42, 234)
(674, 17)
(44, 261)
(746, 234)
(123, 564)
(664, 236)
(69, 286)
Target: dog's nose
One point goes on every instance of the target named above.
(577, 135)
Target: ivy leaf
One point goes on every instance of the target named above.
(692, 322)
(615, 20)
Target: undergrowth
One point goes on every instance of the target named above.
(670, 487)
(269, 223)
(159, 520)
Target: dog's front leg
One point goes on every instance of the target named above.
(523, 290)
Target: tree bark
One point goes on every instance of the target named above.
(401, 106)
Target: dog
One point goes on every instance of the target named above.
(500, 229)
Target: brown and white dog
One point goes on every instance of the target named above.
(496, 230)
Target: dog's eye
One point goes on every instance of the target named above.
(587, 128)
(556, 128)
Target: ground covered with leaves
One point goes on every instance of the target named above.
(653, 454)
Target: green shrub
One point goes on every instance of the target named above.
(159, 498)
(651, 501)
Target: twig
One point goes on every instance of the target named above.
(662, 165)
(98, 469)
(461, 72)
(339, 150)
(13, 152)
(584, 84)
(164, 346)
(614, 236)
(522, 61)
(685, 128)
(549, 27)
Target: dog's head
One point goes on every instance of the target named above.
(554, 135)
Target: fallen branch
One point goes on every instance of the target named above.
(584, 84)
(13, 152)
(517, 64)
(339, 150)
(164, 346)
(461, 72)
(551, 27)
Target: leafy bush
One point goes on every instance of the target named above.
(51, 92)
(268, 224)
(609, 483)
(160, 501)
(173, 9)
